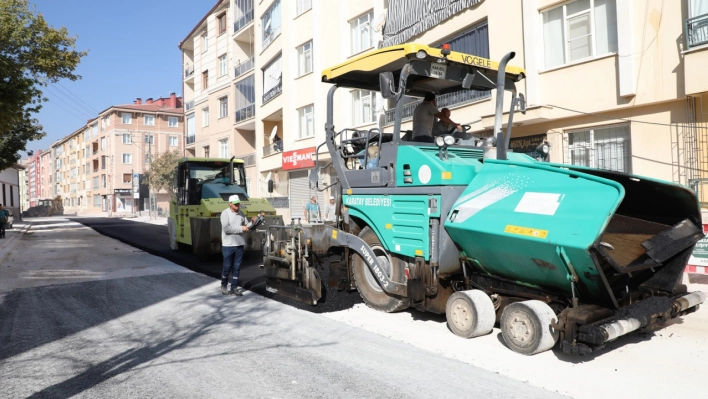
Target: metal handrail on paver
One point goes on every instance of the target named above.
(448, 100)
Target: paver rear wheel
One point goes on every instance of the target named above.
(526, 327)
(366, 283)
(470, 313)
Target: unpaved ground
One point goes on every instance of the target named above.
(667, 364)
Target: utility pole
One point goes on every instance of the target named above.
(150, 167)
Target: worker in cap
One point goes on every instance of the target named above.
(233, 227)
(331, 210)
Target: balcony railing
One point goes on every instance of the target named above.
(448, 100)
(248, 159)
(189, 71)
(244, 20)
(697, 31)
(247, 112)
(269, 37)
(243, 68)
(273, 92)
(273, 148)
(189, 105)
(190, 139)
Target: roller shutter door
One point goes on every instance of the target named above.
(300, 194)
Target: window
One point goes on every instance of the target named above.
(222, 65)
(172, 121)
(271, 22)
(127, 139)
(149, 120)
(127, 158)
(205, 79)
(222, 23)
(307, 126)
(607, 147)
(127, 118)
(147, 158)
(94, 129)
(205, 117)
(190, 125)
(362, 35)
(579, 29)
(223, 107)
(205, 42)
(206, 152)
(304, 59)
(103, 162)
(103, 181)
(302, 6)
(96, 200)
(173, 141)
(87, 134)
(224, 148)
(363, 107)
(272, 79)
(245, 98)
(127, 177)
(149, 139)
(103, 143)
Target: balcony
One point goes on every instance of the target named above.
(245, 113)
(274, 92)
(189, 105)
(190, 139)
(248, 159)
(697, 31)
(245, 19)
(448, 100)
(273, 148)
(189, 72)
(243, 68)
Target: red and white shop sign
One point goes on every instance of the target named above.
(299, 159)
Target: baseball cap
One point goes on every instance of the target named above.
(331, 197)
(234, 199)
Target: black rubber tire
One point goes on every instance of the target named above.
(380, 301)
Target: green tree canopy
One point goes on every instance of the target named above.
(161, 174)
(32, 55)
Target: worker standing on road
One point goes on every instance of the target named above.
(4, 217)
(312, 211)
(233, 225)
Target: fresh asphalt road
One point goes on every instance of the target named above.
(154, 239)
(82, 315)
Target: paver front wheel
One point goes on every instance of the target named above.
(366, 283)
(470, 313)
(526, 327)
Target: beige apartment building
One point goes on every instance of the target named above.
(613, 84)
(94, 167)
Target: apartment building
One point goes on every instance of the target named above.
(614, 84)
(33, 167)
(24, 185)
(46, 190)
(218, 85)
(93, 168)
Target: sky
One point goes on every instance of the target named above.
(133, 53)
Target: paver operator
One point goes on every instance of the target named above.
(424, 118)
(233, 225)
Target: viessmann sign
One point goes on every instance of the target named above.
(299, 159)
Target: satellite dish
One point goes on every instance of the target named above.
(379, 22)
(273, 132)
(270, 174)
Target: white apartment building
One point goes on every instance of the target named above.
(608, 83)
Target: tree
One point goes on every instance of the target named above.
(162, 172)
(32, 55)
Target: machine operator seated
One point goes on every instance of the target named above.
(424, 119)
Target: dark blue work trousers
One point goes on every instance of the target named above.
(232, 263)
